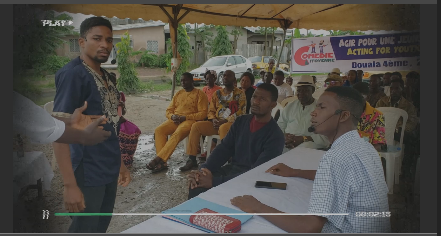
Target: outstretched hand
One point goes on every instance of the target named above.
(80, 121)
(94, 133)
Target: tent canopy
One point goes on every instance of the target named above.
(309, 16)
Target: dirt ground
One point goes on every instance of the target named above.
(153, 193)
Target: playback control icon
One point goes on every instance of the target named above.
(45, 214)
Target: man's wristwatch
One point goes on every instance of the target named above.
(305, 139)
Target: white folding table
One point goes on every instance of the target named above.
(295, 199)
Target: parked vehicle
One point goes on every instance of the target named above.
(260, 62)
(237, 63)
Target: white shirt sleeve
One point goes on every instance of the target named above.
(34, 122)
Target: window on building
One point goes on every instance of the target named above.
(73, 45)
(152, 46)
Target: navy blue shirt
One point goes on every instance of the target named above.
(247, 149)
(75, 85)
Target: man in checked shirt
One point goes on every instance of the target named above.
(348, 180)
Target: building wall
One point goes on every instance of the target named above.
(140, 36)
(258, 37)
(64, 50)
(241, 40)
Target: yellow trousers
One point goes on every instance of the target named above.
(204, 128)
(164, 148)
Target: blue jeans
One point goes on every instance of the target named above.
(98, 199)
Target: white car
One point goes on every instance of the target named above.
(237, 63)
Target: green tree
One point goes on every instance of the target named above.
(184, 50)
(236, 32)
(203, 33)
(345, 32)
(35, 44)
(128, 81)
(206, 36)
(221, 45)
(273, 32)
(264, 31)
(309, 34)
(297, 33)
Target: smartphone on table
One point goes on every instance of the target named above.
(270, 185)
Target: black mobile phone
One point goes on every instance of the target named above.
(270, 185)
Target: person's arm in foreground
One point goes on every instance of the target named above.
(81, 129)
(34, 122)
(286, 171)
(288, 223)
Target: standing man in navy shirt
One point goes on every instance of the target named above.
(90, 173)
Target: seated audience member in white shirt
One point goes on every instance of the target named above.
(35, 123)
(349, 179)
(295, 118)
(284, 89)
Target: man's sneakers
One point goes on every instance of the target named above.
(189, 166)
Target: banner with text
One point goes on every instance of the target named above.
(382, 52)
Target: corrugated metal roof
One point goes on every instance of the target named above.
(138, 25)
(251, 29)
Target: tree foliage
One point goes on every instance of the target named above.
(184, 50)
(206, 36)
(345, 32)
(128, 81)
(221, 44)
(35, 44)
(236, 32)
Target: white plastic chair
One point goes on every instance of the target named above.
(393, 156)
(275, 109)
(210, 142)
(49, 107)
(288, 100)
(184, 141)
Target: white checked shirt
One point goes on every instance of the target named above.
(350, 179)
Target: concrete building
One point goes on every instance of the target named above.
(144, 35)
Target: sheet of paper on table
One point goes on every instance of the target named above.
(295, 199)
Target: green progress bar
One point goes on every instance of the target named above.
(83, 214)
(186, 214)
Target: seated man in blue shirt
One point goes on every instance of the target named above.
(349, 178)
(90, 173)
(252, 140)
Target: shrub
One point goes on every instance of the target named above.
(50, 64)
(128, 81)
(148, 59)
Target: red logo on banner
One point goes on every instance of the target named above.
(298, 56)
(301, 56)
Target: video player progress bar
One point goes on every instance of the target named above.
(187, 214)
